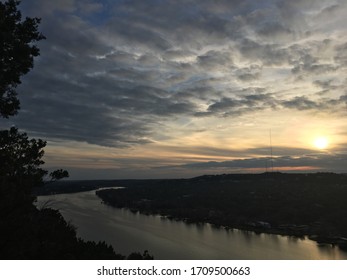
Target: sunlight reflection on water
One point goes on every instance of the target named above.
(169, 239)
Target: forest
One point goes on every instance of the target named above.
(313, 205)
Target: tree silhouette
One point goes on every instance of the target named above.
(20, 157)
(17, 52)
(25, 231)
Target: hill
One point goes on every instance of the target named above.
(313, 205)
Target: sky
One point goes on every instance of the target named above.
(177, 89)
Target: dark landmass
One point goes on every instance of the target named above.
(27, 232)
(313, 205)
(43, 234)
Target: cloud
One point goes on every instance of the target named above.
(269, 54)
(90, 7)
(115, 73)
(214, 60)
(271, 29)
(241, 105)
(46, 8)
(62, 120)
(323, 84)
(340, 55)
(301, 103)
(314, 162)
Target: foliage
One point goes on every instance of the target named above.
(21, 170)
(20, 157)
(139, 256)
(17, 52)
(58, 174)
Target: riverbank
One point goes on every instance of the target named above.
(300, 205)
(258, 227)
(170, 239)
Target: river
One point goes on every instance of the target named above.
(174, 240)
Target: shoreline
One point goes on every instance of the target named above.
(258, 227)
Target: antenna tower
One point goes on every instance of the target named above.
(271, 159)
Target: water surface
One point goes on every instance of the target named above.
(166, 239)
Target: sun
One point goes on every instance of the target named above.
(321, 142)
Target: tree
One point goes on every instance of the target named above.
(20, 157)
(17, 52)
(27, 232)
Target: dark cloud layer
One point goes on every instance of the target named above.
(110, 71)
(115, 73)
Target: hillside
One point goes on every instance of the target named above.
(312, 205)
